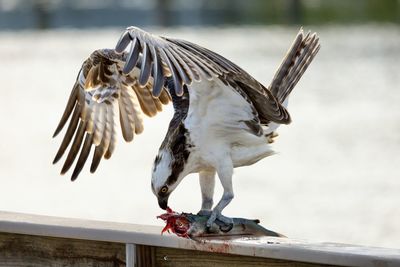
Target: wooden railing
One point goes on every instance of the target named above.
(35, 240)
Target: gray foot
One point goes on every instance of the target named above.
(204, 213)
(224, 223)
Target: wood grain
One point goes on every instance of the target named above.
(34, 251)
(145, 256)
(19, 250)
(171, 257)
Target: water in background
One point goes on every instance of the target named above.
(337, 174)
(48, 14)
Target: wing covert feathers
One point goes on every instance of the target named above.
(100, 98)
(181, 60)
(186, 62)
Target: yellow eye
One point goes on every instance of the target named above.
(164, 189)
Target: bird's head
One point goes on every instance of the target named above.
(167, 174)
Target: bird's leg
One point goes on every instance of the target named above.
(225, 172)
(207, 184)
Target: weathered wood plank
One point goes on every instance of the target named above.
(170, 257)
(36, 251)
(263, 247)
(145, 256)
(33, 251)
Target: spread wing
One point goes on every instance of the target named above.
(100, 98)
(187, 62)
(118, 85)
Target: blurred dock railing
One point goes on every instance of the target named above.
(36, 240)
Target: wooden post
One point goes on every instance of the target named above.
(130, 255)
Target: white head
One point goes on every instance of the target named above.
(166, 175)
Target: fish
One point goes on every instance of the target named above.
(194, 226)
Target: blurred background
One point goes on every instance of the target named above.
(46, 14)
(336, 177)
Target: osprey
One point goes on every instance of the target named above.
(223, 119)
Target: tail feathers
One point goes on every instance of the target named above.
(295, 63)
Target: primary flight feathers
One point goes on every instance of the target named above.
(100, 96)
(125, 82)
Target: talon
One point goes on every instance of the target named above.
(225, 223)
(226, 227)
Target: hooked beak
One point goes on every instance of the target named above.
(163, 202)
